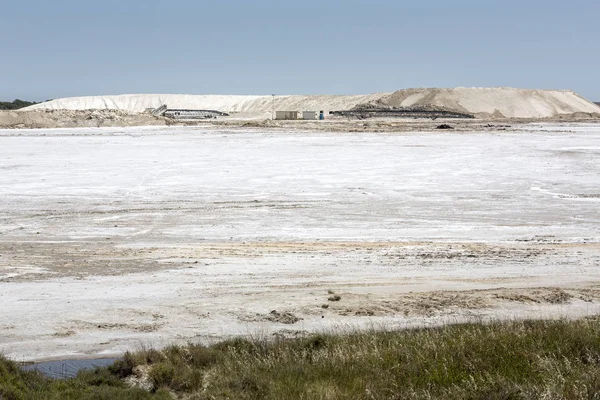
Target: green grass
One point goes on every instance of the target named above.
(517, 360)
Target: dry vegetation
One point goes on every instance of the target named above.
(516, 360)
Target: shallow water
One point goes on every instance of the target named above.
(65, 369)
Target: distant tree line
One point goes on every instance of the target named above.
(15, 105)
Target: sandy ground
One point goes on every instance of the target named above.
(116, 238)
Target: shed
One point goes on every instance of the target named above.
(309, 115)
(286, 115)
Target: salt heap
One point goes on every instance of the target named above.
(496, 102)
(224, 103)
(481, 102)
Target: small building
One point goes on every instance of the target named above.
(309, 115)
(286, 114)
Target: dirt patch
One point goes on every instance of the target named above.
(31, 260)
(551, 296)
(472, 251)
(447, 303)
(109, 326)
(63, 334)
(415, 304)
(27, 261)
(284, 317)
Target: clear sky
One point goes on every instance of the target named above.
(60, 48)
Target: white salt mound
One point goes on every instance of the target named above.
(482, 102)
(496, 102)
(224, 103)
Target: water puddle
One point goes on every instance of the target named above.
(65, 369)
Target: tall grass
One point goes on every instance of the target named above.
(516, 360)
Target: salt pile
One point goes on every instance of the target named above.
(496, 102)
(481, 102)
(224, 103)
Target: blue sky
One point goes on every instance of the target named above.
(60, 48)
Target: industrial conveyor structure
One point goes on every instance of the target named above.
(193, 114)
(408, 112)
(179, 113)
(157, 112)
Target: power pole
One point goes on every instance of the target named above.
(273, 107)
